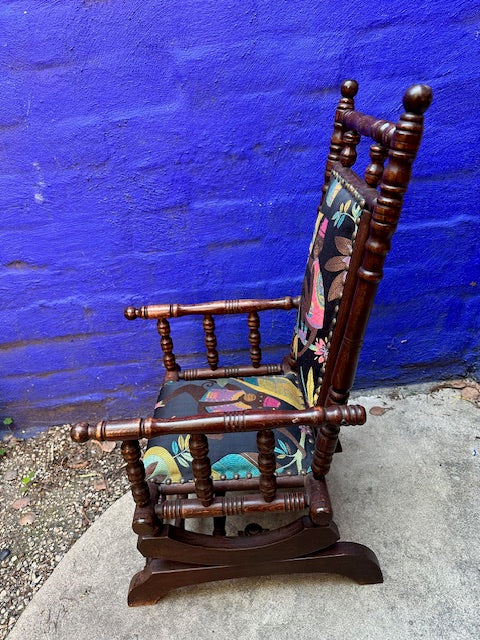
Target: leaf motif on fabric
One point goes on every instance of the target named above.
(336, 287)
(344, 245)
(281, 449)
(339, 263)
(164, 463)
(335, 264)
(332, 192)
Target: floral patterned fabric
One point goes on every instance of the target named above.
(327, 266)
(231, 454)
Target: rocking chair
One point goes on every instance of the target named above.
(225, 441)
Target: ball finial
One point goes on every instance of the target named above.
(349, 88)
(417, 98)
(79, 432)
(130, 313)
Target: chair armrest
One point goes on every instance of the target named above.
(250, 420)
(217, 307)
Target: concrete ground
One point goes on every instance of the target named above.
(406, 485)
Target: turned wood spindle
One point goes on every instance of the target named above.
(348, 155)
(267, 464)
(210, 340)
(349, 90)
(166, 343)
(180, 522)
(254, 338)
(374, 171)
(131, 453)
(201, 468)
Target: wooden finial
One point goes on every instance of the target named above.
(349, 88)
(80, 432)
(417, 99)
(130, 313)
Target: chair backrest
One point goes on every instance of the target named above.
(356, 219)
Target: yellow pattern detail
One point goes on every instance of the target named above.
(162, 457)
(281, 388)
(310, 388)
(317, 226)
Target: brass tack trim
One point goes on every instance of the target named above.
(346, 185)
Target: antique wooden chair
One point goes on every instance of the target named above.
(260, 438)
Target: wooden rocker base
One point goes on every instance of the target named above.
(160, 576)
(297, 538)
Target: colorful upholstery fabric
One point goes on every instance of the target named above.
(327, 266)
(231, 454)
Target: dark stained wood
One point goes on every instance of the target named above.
(145, 521)
(348, 559)
(348, 155)
(381, 131)
(131, 453)
(201, 468)
(320, 507)
(349, 90)
(219, 521)
(217, 307)
(163, 327)
(231, 506)
(296, 538)
(241, 371)
(254, 339)
(251, 420)
(180, 522)
(374, 171)
(267, 464)
(210, 340)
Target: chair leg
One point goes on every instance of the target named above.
(160, 576)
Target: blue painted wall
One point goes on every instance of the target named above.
(148, 148)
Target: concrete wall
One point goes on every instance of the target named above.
(174, 151)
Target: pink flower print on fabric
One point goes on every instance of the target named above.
(320, 349)
(339, 263)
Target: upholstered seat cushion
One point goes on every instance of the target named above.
(231, 454)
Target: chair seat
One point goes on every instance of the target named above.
(233, 455)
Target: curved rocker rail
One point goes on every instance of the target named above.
(354, 561)
(294, 539)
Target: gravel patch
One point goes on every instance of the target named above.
(51, 491)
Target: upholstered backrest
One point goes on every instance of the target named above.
(327, 268)
(358, 214)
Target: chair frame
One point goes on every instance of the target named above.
(177, 557)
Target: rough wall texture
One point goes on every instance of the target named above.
(148, 148)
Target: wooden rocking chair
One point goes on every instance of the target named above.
(237, 440)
